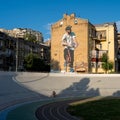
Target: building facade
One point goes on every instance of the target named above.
(14, 49)
(7, 52)
(106, 43)
(21, 32)
(93, 41)
(118, 53)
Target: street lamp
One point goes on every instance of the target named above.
(16, 53)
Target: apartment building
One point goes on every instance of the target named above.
(107, 36)
(14, 49)
(7, 52)
(93, 41)
(118, 53)
(21, 32)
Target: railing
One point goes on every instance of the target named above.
(100, 38)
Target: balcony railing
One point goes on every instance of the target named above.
(100, 38)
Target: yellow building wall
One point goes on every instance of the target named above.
(86, 42)
(81, 31)
(109, 43)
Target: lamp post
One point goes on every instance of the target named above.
(16, 53)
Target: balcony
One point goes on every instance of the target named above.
(6, 53)
(102, 38)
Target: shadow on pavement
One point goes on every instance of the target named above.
(116, 94)
(12, 92)
(80, 89)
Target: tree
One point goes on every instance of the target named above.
(104, 57)
(30, 37)
(110, 63)
(106, 65)
(28, 61)
(32, 62)
(55, 64)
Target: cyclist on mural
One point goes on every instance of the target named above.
(69, 43)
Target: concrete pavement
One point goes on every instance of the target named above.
(71, 84)
(26, 86)
(13, 93)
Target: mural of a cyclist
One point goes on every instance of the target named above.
(69, 42)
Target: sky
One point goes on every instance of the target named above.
(39, 15)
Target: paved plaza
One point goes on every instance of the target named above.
(18, 87)
(70, 84)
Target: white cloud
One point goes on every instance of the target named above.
(118, 25)
(47, 28)
(46, 39)
(48, 33)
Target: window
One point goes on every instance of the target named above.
(101, 34)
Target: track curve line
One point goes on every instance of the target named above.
(55, 111)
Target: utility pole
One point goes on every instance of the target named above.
(16, 53)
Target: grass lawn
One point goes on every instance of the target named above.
(105, 109)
